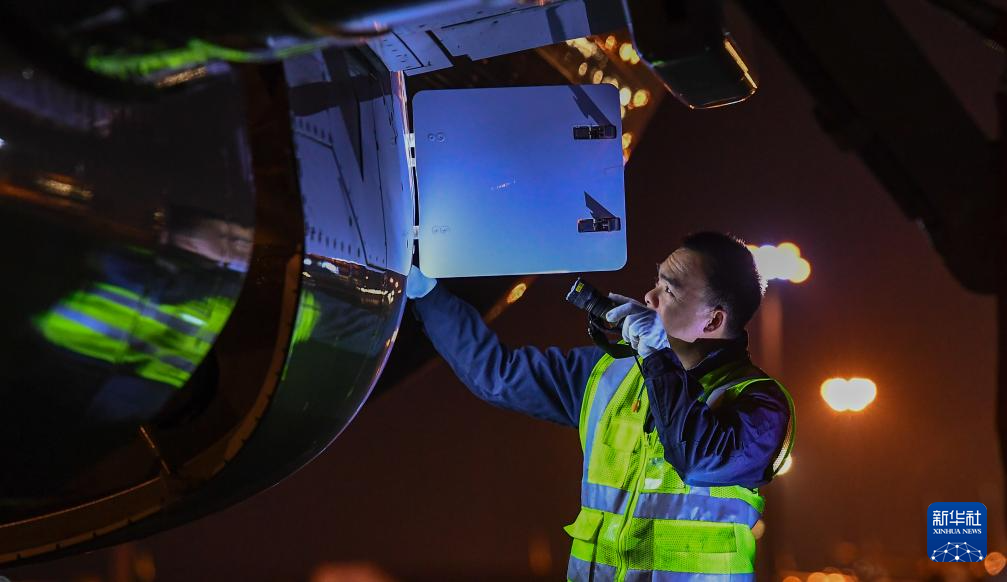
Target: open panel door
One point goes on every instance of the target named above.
(519, 180)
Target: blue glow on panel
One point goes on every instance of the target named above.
(502, 180)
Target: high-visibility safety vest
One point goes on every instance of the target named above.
(159, 342)
(638, 519)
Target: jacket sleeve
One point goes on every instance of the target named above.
(545, 384)
(735, 444)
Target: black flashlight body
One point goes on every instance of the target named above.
(586, 297)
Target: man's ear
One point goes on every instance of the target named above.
(718, 319)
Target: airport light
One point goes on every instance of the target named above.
(628, 53)
(853, 394)
(782, 262)
(625, 94)
(994, 563)
(828, 577)
(585, 47)
(641, 97)
(516, 292)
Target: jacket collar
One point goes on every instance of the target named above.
(723, 361)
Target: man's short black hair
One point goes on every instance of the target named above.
(733, 279)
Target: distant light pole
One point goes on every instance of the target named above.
(847, 397)
(782, 262)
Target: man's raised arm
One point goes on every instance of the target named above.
(545, 384)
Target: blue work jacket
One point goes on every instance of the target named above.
(734, 445)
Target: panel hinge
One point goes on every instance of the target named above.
(411, 160)
(411, 150)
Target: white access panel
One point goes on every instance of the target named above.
(519, 180)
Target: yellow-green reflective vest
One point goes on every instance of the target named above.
(638, 519)
(163, 343)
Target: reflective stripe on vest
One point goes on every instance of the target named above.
(118, 339)
(698, 506)
(638, 519)
(578, 570)
(164, 343)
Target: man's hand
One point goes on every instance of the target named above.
(641, 327)
(418, 284)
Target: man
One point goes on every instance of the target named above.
(674, 446)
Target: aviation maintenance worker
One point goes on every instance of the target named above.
(675, 447)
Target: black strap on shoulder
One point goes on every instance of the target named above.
(597, 333)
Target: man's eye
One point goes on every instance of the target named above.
(659, 282)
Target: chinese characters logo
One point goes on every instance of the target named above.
(956, 532)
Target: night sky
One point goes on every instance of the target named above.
(429, 483)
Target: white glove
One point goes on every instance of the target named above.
(624, 306)
(418, 284)
(641, 327)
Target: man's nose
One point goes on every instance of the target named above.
(647, 299)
